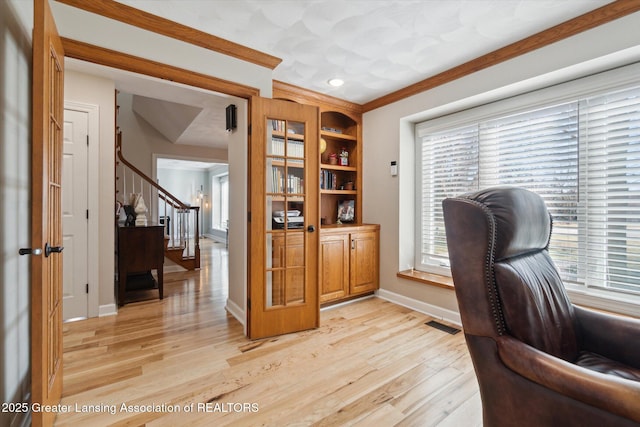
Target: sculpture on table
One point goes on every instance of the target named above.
(137, 201)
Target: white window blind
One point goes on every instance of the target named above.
(538, 150)
(582, 157)
(449, 168)
(611, 135)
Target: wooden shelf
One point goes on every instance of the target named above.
(292, 136)
(293, 162)
(344, 192)
(337, 135)
(291, 197)
(338, 167)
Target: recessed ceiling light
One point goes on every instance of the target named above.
(335, 82)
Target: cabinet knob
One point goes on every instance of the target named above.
(311, 228)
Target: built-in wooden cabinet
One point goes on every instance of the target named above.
(340, 179)
(349, 257)
(349, 249)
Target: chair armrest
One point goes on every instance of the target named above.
(611, 336)
(607, 392)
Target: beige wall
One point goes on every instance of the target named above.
(388, 136)
(98, 91)
(15, 208)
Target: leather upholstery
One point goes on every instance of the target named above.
(539, 359)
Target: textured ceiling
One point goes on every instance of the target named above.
(376, 46)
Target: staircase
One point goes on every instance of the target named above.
(181, 220)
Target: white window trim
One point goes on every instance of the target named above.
(583, 87)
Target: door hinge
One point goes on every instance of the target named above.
(87, 288)
(249, 129)
(249, 216)
(248, 303)
(87, 140)
(87, 213)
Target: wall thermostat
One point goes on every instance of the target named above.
(394, 168)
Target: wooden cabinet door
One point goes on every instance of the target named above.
(364, 262)
(334, 266)
(284, 215)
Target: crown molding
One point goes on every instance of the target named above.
(147, 21)
(584, 22)
(99, 55)
(301, 95)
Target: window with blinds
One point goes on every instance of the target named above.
(582, 157)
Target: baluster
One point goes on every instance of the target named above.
(173, 224)
(124, 186)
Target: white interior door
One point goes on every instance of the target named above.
(75, 221)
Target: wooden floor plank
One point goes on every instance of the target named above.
(370, 363)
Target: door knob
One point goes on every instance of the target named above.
(311, 228)
(48, 250)
(29, 251)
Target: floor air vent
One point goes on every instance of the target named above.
(444, 328)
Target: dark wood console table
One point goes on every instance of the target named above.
(140, 250)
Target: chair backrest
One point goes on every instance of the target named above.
(504, 279)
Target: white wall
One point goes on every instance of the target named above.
(238, 208)
(15, 207)
(92, 90)
(388, 136)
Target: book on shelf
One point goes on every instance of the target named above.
(295, 148)
(328, 180)
(330, 129)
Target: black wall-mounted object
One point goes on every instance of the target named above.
(232, 120)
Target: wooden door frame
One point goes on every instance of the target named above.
(110, 58)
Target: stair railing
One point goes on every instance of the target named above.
(181, 220)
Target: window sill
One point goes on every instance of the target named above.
(427, 278)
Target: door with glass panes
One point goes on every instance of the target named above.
(284, 212)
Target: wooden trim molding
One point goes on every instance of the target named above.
(282, 90)
(147, 21)
(99, 55)
(426, 278)
(587, 21)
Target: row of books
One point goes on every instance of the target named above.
(280, 183)
(328, 180)
(294, 148)
(279, 126)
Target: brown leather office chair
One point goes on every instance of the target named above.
(540, 360)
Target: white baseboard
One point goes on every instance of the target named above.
(422, 307)
(107, 310)
(215, 238)
(235, 310)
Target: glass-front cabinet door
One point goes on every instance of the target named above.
(283, 295)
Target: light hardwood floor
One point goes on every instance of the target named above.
(371, 363)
